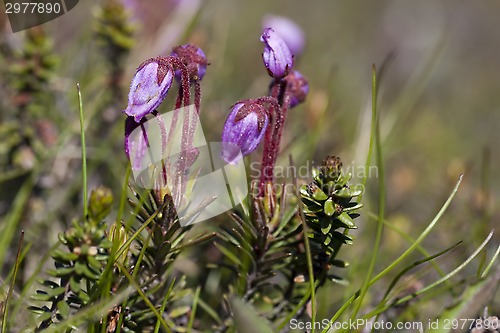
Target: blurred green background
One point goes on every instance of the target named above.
(439, 107)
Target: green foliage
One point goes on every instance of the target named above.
(151, 263)
(113, 31)
(328, 208)
(26, 131)
(135, 273)
(267, 254)
(78, 268)
(34, 66)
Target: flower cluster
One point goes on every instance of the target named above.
(253, 120)
(150, 85)
(249, 122)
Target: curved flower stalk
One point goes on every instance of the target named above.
(148, 90)
(196, 64)
(269, 242)
(251, 122)
(290, 91)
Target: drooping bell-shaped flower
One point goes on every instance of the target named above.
(149, 87)
(297, 87)
(277, 56)
(244, 128)
(136, 142)
(194, 58)
(288, 30)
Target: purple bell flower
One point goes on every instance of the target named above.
(297, 86)
(149, 87)
(277, 56)
(194, 58)
(244, 128)
(288, 30)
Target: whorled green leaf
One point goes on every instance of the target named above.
(346, 220)
(329, 207)
(74, 285)
(352, 207)
(346, 239)
(326, 226)
(63, 308)
(41, 296)
(60, 255)
(61, 272)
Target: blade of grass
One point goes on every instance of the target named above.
(410, 240)
(145, 298)
(411, 266)
(11, 222)
(373, 132)
(97, 310)
(123, 196)
(34, 276)
(84, 152)
(312, 284)
(193, 310)
(403, 256)
(211, 312)
(292, 313)
(164, 304)
(381, 206)
(136, 233)
(434, 284)
(26, 248)
(13, 282)
(473, 299)
(490, 264)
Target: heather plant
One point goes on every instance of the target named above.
(158, 251)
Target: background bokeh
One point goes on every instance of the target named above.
(439, 107)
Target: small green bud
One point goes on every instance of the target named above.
(100, 203)
(118, 236)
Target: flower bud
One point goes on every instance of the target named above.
(331, 168)
(277, 57)
(100, 203)
(195, 60)
(117, 233)
(297, 86)
(288, 30)
(243, 130)
(149, 87)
